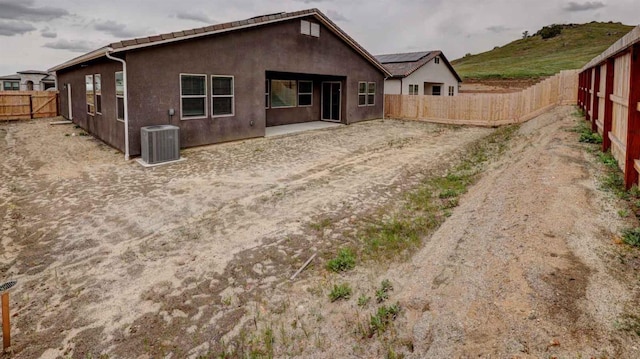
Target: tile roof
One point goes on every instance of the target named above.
(10, 77)
(213, 29)
(404, 57)
(404, 64)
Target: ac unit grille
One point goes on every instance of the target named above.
(160, 143)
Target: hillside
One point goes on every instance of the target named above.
(537, 57)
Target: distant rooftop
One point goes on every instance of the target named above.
(405, 57)
(404, 64)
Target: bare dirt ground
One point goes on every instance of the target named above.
(114, 258)
(193, 259)
(496, 85)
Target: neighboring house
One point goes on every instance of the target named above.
(420, 73)
(223, 82)
(29, 80)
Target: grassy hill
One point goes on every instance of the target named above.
(537, 57)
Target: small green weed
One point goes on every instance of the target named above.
(631, 236)
(379, 322)
(590, 137)
(321, 225)
(608, 160)
(345, 261)
(623, 213)
(340, 292)
(363, 300)
(382, 294)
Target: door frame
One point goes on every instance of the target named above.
(339, 120)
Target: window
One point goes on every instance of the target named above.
(362, 93)
(193, 96)
(309, 28)
(97, 80)
(88, 82)
(366, 93)
(371, 91)
(413, 89)
(266, 93)
(283, 93)
(49, 85)
(436, 90)
(119, 96)
(222, 96)
(11, 85)
(305, 93)
(436, 60)
(451, 91)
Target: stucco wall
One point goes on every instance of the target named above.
(393, 87)
(154, 81)
(104, 125)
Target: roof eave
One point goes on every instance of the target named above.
(78, 60)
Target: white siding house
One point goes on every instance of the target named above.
(420, 73)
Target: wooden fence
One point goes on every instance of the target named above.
(609, 94)
(487, 109)
(25, 105)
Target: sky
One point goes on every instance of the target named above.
(39, 34)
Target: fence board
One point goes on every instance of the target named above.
(25, 105)
(486, 109)
(620, 98)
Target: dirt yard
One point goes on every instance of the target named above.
(497, 85)
(194, 259)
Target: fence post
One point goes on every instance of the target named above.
(595, 112)
(31, 107)
(633, 132)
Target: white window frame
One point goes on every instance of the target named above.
(97, 92)
(365, 93)
(414, 89)
(206, 114)
(315, 29)
(305, 93)
(232, 96)
(309, 28)
(93, 95)
(296, 97)
(115, 80)
(369, 93)
(436, 60)
(452, 91)
(439, 90)
(11, 87)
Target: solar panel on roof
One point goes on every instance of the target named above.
(406, 57)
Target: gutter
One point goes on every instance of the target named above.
(126, 100)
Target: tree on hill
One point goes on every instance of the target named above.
(550, 31)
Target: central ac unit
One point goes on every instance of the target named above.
(160, 143)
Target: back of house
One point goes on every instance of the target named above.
(223, 82)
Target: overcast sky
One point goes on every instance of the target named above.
(38, 34)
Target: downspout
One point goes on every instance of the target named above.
(126, 100)
(383, 97)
